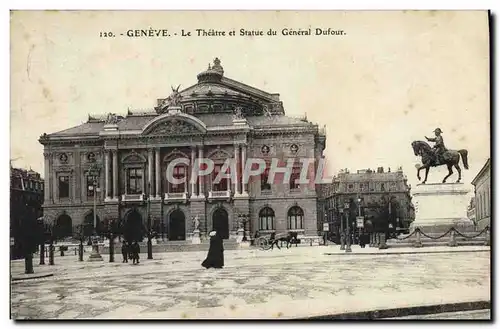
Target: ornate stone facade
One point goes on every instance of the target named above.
(218, 118)
(383, 195)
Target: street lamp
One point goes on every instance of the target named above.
(150, 233)
(360, 223)
(342, 234)
(94, 171)
(162, 229)
(324, 227)
(348, 228)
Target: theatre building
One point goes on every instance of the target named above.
(126, 158)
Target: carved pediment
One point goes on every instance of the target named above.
(133, 157)
(173, 127)
(219, 154)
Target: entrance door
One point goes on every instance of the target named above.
(133, 228)
(220, 222)
(177, 226)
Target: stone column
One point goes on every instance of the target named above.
(46, 183)
(243, 161)
(107, 185)
(193, 183)
(201, 178)
(158, 173)
(236, 178)
(150, 173)
(115, 174)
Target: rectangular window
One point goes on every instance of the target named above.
(63, 186)
(135, 181)
(179, 172)
(294, 178)
(223, 183)
(382, 187)
(264, 181)
(90, 185)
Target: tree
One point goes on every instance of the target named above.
(29, 237)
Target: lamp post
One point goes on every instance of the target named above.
(150, 233)
(95, 255)
(42, 240)
(342, 234)
(162, 229)
(111, 230)
(325, 239)
(348, 228)
(360, 216)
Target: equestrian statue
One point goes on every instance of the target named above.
(439, 155)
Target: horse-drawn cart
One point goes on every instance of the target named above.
(266, 242)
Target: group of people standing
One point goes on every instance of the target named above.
(215, 257)
(130, 250)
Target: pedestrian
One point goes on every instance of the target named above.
(136, 249)
(215, 256)
(129, 250)
(125, 251)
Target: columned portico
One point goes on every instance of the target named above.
(243, 160)
(150, 173)
(201, 179)
(158, 174)
(107, 162)
(115, 175)
(236, 176)
(193, 183)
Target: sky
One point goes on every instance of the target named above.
(392, 78)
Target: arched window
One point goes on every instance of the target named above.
(179, 173)
(266, 219)
(295, 218)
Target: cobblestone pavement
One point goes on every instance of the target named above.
(175, 285)
(467, 315)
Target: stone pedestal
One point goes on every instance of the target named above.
(195, 239)
(95, 256)
(439, 207)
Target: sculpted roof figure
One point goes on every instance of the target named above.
(175, 98)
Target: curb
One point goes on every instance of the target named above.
(405, 311)
(39, 276)
(404, 252)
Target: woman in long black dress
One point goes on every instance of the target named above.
(215, 256)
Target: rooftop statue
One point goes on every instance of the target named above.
(111, 119)
(238, 112)
(439, 155)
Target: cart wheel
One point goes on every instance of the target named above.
(262, 242)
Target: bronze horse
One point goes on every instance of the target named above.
(450, 158)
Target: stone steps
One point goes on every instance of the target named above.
(175, 246)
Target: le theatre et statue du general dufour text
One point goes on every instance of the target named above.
(201, 32)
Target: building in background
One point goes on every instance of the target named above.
(26, 199)
(482, 196)
(380, 196)
(126, 157)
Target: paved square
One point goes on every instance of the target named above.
(254, 283)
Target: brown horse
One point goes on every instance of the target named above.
(450, 158)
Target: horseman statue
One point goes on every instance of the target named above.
(439, 155)
(439, 147)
